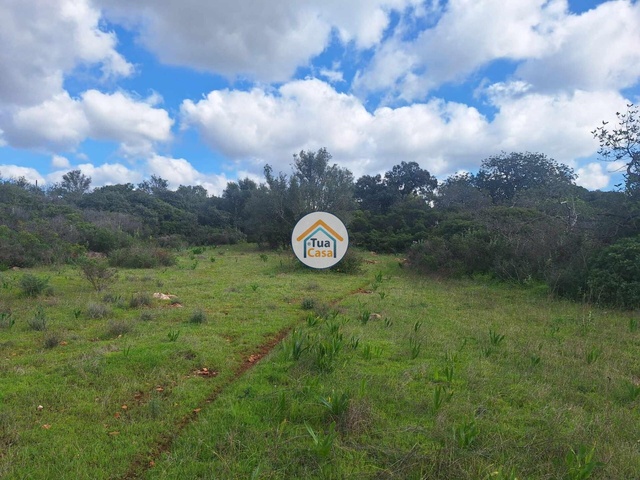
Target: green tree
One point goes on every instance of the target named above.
(74, 184)
(507, 175)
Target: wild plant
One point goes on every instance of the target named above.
(39, 320)
(326, 351)
(173, 335)
(140, 300)
(441, 395)
(388, 322)
(451, 357)
(312, 320)
(382, 295)
(76, 313)
(378, 278)
(7, 320)
(633, 325)
(336, 404)
(117, 329)
(415, 345)
(364, 317)
(97, 273)
(631, 391)
(465, 434)
(593, 355)
(295, 345)
(51, 340)
(354, 342)
(448, 373)
(194, 265)
(97, 310)
(417, 326)
(581, 463)
(495, 338)
(264, 257)
(366, 352)
(501, 474)
(254, 286)
(535, 360)
(308, 304)
(33, 286)
(146, 316)
(197, 317)
(323, 442)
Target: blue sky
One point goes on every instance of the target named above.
(209, 92)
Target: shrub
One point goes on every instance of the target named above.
(350, 264)
(614, 276)
(33, 286)
(97, 310)
(198, 316)
(97, 273)
(140, 300)
(39, 321)
(117, 329)
(141, 256)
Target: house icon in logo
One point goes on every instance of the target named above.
(320, 240)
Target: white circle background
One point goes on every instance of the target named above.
(307, 222)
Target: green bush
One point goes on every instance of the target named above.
(97, 273)
(614, 276)
(350, 264)
(141, 256)
(33, 286)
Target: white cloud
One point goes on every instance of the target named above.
(469, 34)
(58, 161)
(105, 174)
(592, 176)
(178, 171)
(266, 41)
(593, 51)
(135, 124)
(15, 172)
(62, 123)
(43, 40)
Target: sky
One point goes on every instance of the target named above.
(207, 92)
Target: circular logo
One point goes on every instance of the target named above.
(319, 240)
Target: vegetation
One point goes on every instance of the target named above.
(314, 374)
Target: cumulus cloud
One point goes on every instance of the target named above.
(178, 171)
(62, 123)
(16, 171)
(58, 161)
(43, 40)
(592, 176)
(266, 41)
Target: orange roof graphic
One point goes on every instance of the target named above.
(323, 225)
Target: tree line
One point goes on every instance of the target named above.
(520, 218)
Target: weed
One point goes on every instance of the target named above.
(295, 345)
(326, 350)
(382, 295)
(146, 316)
(486, 351)
(312, 320)
(33, 286)
(254, 286)
(336, 404)
(308, 304)
(633, 324)
(354, 342)
(593, 355)
(495, 338)
(194, 265)
(323, 442)
(448, 373)
(367, 352)
(631, 391)
(417, 326)
(388, 322)
(173, 335)
(117, 329)
(581, 463)
(51, 340)
(97, 273)
(197, 251)
(450, 356)
(97, 310)
(378, 278)
(465, 434)
(415, 345)
(112, 298)
(39, 320)
(441, 395)
(264, 257)
(535, 360)
(197, 317)
(364, 317)
(140, 300)
(76, 313)
(7, 320)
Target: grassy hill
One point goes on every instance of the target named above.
(258, 368)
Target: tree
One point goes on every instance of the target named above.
(409, 179)
(154, 185)
(322, 187)
(623, 143)
(505, 176)
(74, 184)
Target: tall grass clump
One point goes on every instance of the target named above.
(33, 286)
(142, 256)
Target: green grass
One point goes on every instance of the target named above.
(443, 379)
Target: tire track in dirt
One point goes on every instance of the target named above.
(144, 462)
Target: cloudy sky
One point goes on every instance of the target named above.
(204, 92)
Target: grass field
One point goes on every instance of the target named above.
(261, 369)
